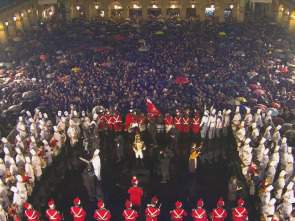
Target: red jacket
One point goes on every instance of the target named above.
(152, 213)
(78, 213)
(178, 123)
(108, 122)
(199, 215)
(101, 122)
(196, 124)
(130, 215)
(102, 215)
(185, 124)
(32, 215)
(218, 214)
(117, 122)
(177, 214)
(135, 195)
(239, 213)
(53, 215)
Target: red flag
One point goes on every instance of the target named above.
(152, 110)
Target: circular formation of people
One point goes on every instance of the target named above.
(72, 82)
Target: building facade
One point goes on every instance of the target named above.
(25, 13)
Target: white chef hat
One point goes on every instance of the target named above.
(219, 113)
(248, 110)
(95, 116)
(33, 139)
(258, 111)
(254, 125)
(228, 111)
(6, 151)
(269, 112)
(277, 148)
(18, 150)
(290, 186)
(55, 128)
(268, 128)
(282, 173)
(14, 189)
(19, 178)
(269, 188)
(28, 160)
(32, 151)
(20, 118)
(272, 201)
(96, 152)
(12, 161)
(284, 140)
(66, 113)
(59, 113)
(4, 140)
(237, 109)
(206, 112)
(45, 115)
(213, 111)
(262, 140)
(242, 123)
(248, 140)
(289, 149)
(278, 127)
(45, 142)
(28, 113)
(266, 151)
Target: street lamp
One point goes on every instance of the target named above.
(29, 11)
(231, 6)
(78, 7)
(22, 14)
(14, 18)
(6, 23)
(173, 6)
(193, 5)
(155, 6)
(96, 7)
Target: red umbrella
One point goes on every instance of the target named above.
(260, 106)
(181, 80)
(10, 37)
(83, 46)
(258, 92)
(101, 49)
(43, 57)
(253, 86)
(119, 38)
(275, 105)
(204, 60)
(283, 70)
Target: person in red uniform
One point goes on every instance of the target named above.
(102, 214)
(196, 126)
(178, 121)
(77, 211)
(129, 214)
(135, 193)
(117, 121)
(219, 214)
(168, 121)
(52, 213)
(152, 212)
(30, 213)
(199, 214)
(240, 213)
(178, 213)
(108, 120)
(128, 121)
(101, 120)
(186, 123)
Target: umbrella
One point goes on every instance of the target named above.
(222, 33)
(28, 94)
(277, 121)
(16, 95)
(10, 37)
(181, 80)
(233, 102)
(59, 52)
(142, 49)
(159, 33)
(239, 53)
(101, 49)
(241, 99)
(290, 134)
(119, 38)
(141, 41)
(278, 50)
(253, 86)
(252, 74)
(253, 100)
(291, 103)
(9, 49)
(286, 127)
(83, 46)
(230, 81)
(275, 105)
(17, 39)
(204, 60)
(14, 108)
(245, 89)
(36, 43)
(283, 70)
(274, 112)
(75, 69)
(43, 57)
(258, 92)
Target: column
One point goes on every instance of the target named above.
(3, 34)
(164, 5)
(125, 9)
(87, 11)
(11, 28)
(285, 21)
(19, 24)
(220, 13)
(291, 26)
(183, 6)
(201, 10)
(26, 21)
(241, 11)
(68, 11)
(144, 10)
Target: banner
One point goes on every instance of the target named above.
(47, 2)
(151, 108)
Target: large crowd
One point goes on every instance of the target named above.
(89, 81)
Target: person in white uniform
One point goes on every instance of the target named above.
(96, 164)
(204, 124)
(36, 163)
(279, 185)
